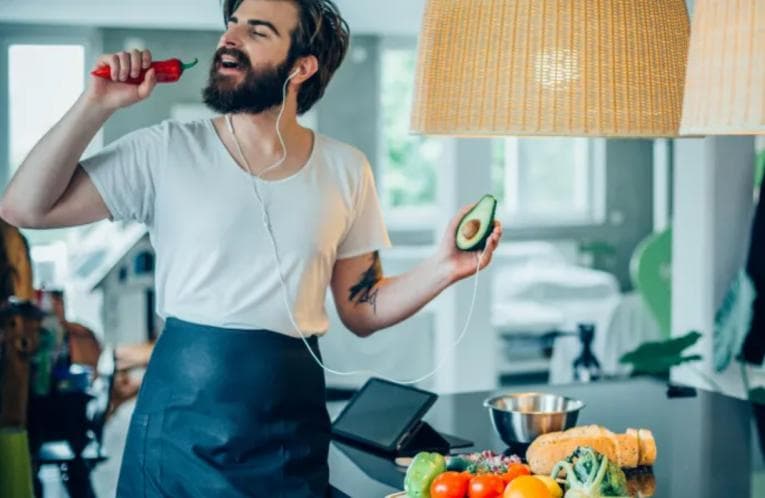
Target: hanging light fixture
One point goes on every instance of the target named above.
(725, 87)
(551, 67)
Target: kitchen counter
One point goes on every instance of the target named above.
(704, 441)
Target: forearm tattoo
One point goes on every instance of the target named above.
(364, 291)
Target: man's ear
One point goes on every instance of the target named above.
(304, 69)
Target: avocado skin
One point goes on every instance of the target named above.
(480, 243)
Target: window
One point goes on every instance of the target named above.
(409, 162)
(38, 100)
(549, 181)
(44, 70)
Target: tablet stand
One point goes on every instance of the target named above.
(423, 438)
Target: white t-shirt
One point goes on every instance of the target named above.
(214, 261)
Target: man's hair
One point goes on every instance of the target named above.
(322, 32)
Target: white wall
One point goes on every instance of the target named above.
(713, 206)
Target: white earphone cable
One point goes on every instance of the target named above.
(267, 224)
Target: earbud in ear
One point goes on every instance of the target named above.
(294, 73)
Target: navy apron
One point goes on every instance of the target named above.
(228, 413)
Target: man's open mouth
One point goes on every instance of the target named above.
(230, 62)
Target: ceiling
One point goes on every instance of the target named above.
(391, 17)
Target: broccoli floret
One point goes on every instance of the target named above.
(584, 462)
(614, 482)
(590, 474)
(456, 463)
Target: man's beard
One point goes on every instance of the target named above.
(258, 90)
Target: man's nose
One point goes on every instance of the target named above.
(230, 39)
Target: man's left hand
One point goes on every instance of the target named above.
(463, 263)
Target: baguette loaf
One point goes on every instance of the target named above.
(629, 450)
(647, 447)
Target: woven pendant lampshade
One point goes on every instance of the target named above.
(551, 67)
(725, 88)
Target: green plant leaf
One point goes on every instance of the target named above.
(658, 357)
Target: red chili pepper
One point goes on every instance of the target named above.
(168, 71)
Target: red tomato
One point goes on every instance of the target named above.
(486, 486)
(450, 485)
(516, 470)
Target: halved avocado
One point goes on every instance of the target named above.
(476, 226)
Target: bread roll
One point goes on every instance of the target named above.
(547, 450)
(589, 431)
(629, 450)
(647, 447)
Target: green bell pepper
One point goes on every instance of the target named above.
(421, 472)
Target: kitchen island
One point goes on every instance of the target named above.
(704, 439)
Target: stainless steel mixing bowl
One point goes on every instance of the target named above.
(521, 417)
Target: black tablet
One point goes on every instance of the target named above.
(382, 414)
